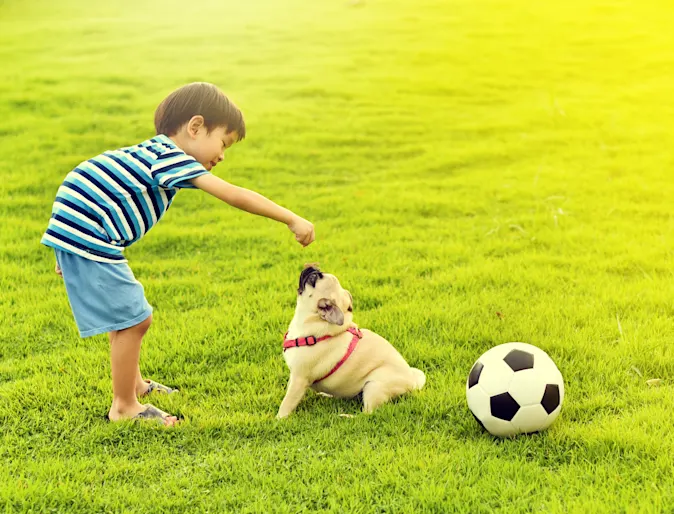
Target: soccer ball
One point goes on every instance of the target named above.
(515, 388)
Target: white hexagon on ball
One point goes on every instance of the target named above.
(515, 388)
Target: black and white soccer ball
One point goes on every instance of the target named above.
(515, 388)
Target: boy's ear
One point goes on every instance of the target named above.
(195, 123)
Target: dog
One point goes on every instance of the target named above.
(327, 352)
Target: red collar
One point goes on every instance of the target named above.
(311, 340)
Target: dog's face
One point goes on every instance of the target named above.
(322, 293)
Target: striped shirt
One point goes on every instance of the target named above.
(109, 202)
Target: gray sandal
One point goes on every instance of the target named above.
(152, 412)
(160, 388)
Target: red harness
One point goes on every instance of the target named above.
(311, 340)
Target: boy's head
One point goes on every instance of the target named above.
(201, 120)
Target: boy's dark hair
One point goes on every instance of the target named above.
(198, 98)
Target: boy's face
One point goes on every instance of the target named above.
(209, 147)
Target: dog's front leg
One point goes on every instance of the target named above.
(297, 386)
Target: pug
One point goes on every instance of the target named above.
(327, 352)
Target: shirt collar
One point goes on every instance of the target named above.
(164, 139)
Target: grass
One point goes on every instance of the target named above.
(458, 158)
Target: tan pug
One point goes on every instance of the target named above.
(318, 340)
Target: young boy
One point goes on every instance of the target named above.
(109, 202)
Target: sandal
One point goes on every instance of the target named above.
(154, 413)
(160, 388)
(150, 413)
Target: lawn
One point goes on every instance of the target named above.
(478, 171)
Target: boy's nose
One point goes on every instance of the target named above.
(221, 157)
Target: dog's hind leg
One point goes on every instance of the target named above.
(378, 391)
(374, 394)
(419, 378)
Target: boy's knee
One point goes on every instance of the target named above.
(143, 326)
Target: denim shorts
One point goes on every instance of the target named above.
(103, 297)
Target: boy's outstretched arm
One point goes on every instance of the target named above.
(255, 203)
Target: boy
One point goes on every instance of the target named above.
(107, 203)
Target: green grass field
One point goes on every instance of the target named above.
(478, 171)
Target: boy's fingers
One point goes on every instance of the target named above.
(305, 238)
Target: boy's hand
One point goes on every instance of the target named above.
(303, 230)
(58, 270)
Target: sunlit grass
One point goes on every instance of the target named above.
(458, 158)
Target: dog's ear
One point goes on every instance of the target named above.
(309, 275)
(328, 310)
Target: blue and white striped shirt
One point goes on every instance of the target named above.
(111, 201)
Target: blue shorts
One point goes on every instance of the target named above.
(103, 297)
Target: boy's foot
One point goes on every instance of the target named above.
(149, 386)
(149, 411)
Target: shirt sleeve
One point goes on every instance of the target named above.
(174, 169)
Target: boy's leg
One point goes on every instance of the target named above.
(124, 356)
(141, 385)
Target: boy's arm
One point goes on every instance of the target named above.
(255, 203)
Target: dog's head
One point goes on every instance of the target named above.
(322, 293)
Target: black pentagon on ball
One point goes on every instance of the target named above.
(519, 360)
(550, 399)
(475, 374)
(504, 406)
